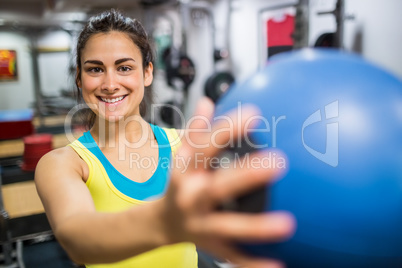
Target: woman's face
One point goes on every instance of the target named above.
(112, 77)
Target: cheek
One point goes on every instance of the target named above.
(87, 93)
(89, 83)
(87, 99)
(135, 82)
(88, 86)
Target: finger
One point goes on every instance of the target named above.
(247, 173)
(201, 119)
(262, 227)
(205, 107)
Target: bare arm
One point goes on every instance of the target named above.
(89, 236)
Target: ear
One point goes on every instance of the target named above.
(148, 74)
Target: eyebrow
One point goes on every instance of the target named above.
(123, 60)
(98, 62)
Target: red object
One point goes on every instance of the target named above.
(15, 124)
(279, 32)
(8, 64)
(35, 146)
(15, 129)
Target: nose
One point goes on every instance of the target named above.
(110, 82)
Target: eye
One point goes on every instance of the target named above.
(124, 68)
(95, 70)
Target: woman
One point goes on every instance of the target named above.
(104, 207)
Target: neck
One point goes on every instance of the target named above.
(108, 134)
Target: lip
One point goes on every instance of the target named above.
(111, 98)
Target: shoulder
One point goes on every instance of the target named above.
(174, 135)
(59, 155)
(172, 131)
(61, 160)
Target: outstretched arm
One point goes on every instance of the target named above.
(87, 235)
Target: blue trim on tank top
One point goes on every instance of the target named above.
(155, 186)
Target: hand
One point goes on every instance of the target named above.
(189, 209)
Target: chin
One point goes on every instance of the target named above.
(122, 119)
(110, 118)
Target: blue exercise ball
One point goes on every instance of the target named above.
(338, 119)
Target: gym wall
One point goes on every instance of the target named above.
(373, 32)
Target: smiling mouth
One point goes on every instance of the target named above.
(112, 100)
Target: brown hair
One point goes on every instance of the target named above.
(105, 22)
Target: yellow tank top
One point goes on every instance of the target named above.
(108, 198)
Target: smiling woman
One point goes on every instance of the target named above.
(108, 205)
(133, 54)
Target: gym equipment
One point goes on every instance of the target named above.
(169, 112)
(335, 39)
(221, 78)
(179, 66)
(217, 84)
(301, 29)
(326, 40)
(220, 54)
(180, 69)
(22, 220)
(338, 119)
(35, 146)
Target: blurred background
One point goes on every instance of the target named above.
(202, 48)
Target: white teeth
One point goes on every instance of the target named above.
(112, 100)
